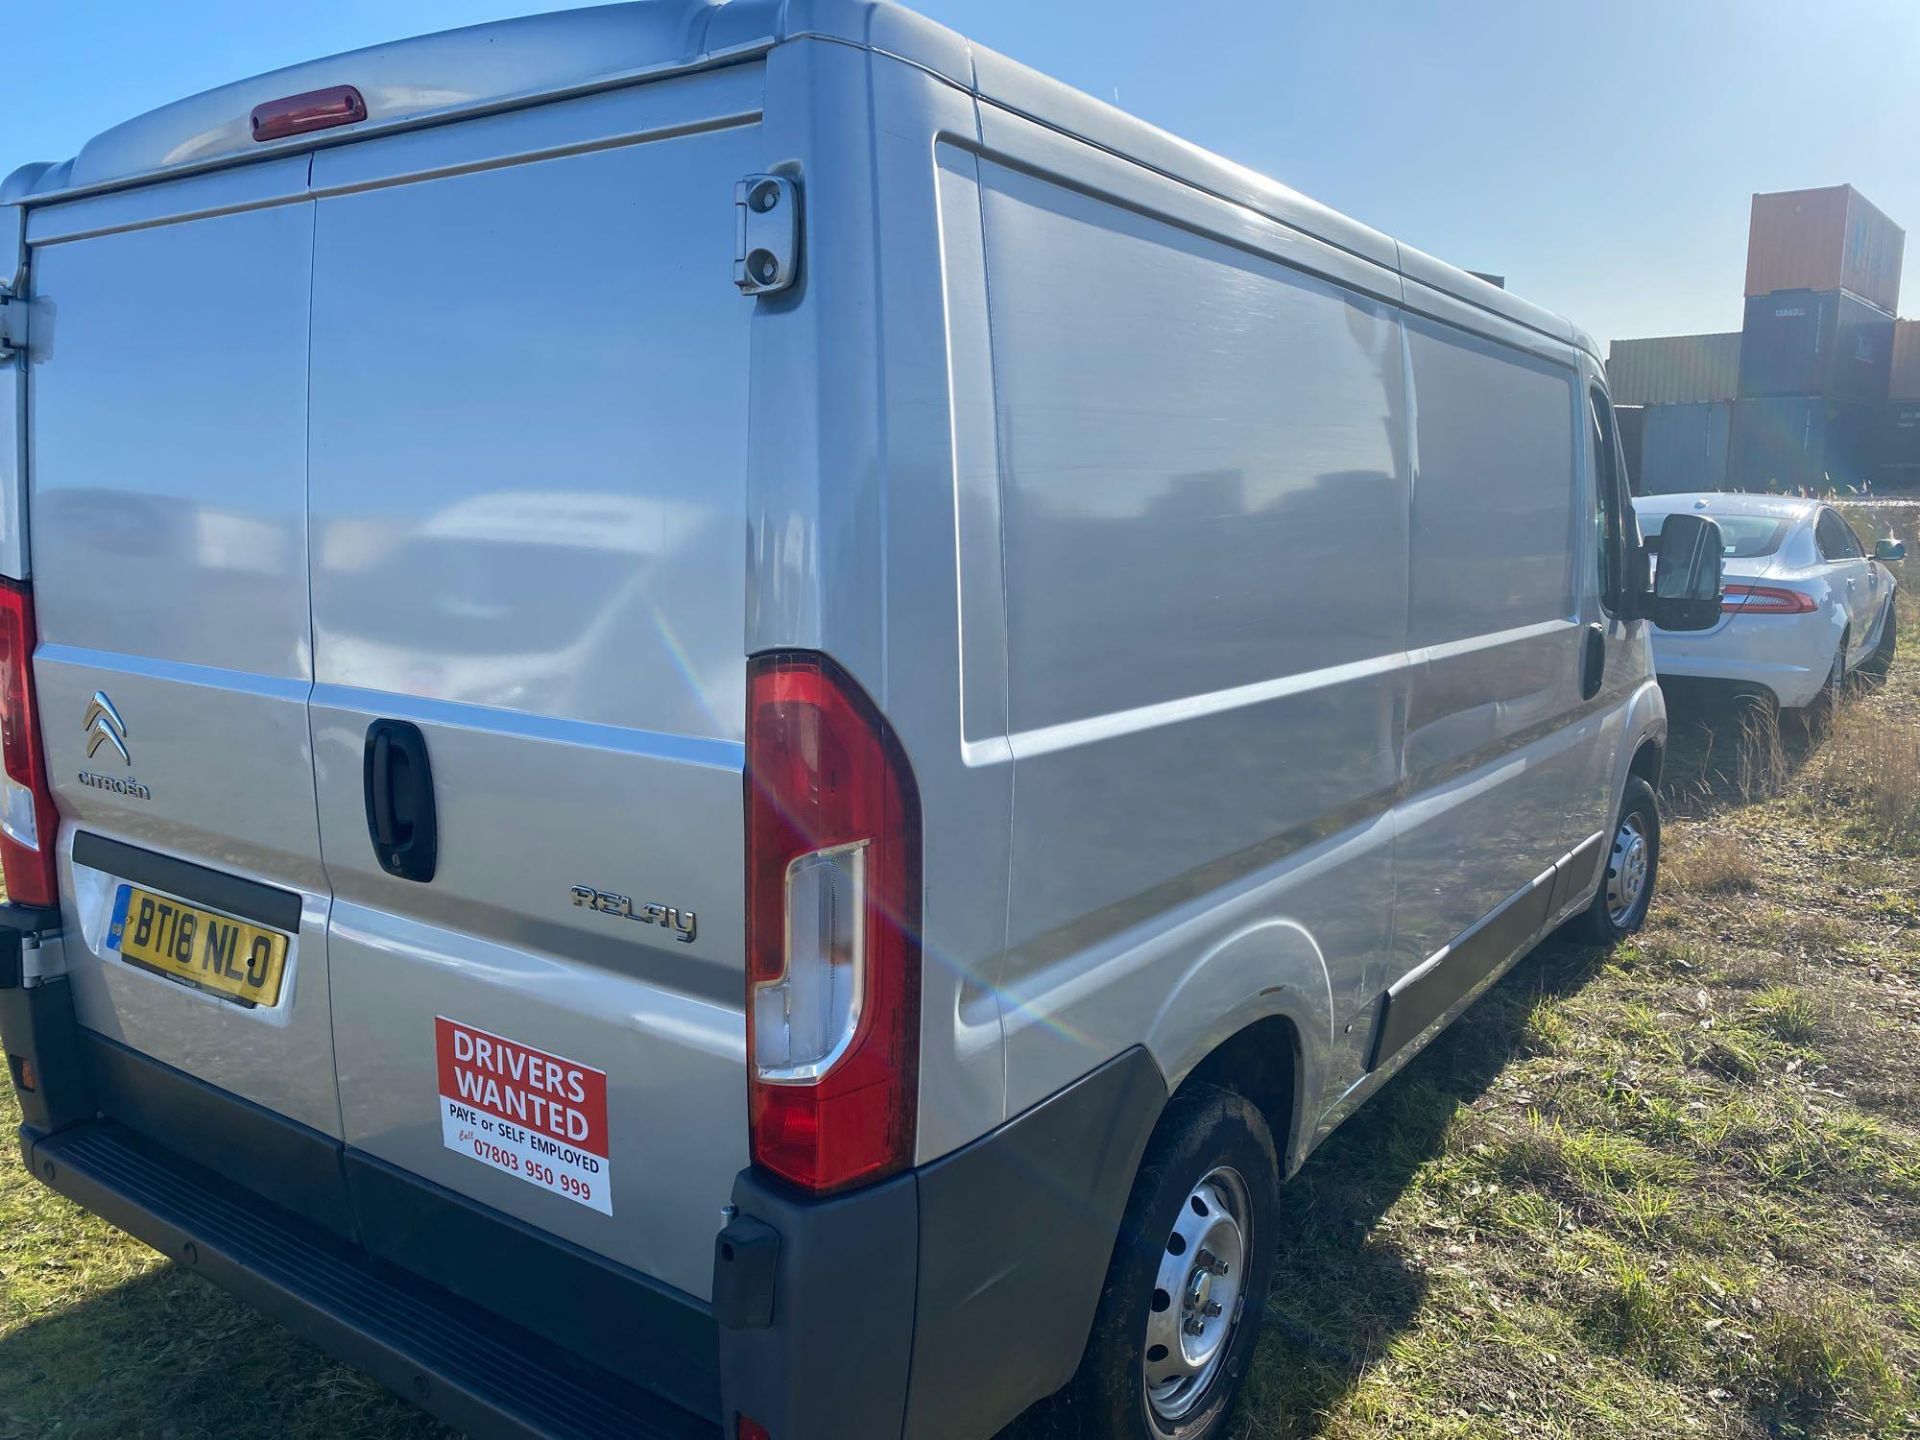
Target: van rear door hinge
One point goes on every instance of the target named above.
(13, 324)
(766, 250)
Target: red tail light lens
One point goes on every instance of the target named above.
(833, 929)
(28, 821)
(314, 110)
(1766, 600)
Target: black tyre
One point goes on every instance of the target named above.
(1817, 717)
(1186, 1292)
(1875, 667)
(1633, 868)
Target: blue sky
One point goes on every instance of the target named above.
(1600, 155)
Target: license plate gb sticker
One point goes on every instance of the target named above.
(525, 1112)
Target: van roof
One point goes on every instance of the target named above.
(508, 63)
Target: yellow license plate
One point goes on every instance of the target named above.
(232, 958)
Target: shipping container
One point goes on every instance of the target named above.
(1674, 369)
(1904, 382)
(1684, 447)
(1784, 442)
(1803, 342)
(1899, 448)
(1827, 239)
(1630, 423)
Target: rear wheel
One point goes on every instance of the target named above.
(1184, 1296)
(1633, 867)
(1818, 715)
(1876, 666)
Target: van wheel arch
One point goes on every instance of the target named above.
(1263, 1063)
(1648, 762)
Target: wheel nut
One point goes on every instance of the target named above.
(1212, 1309)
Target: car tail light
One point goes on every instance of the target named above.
(313, 110)
(749, 1429)
(28, 821)
(1766, 600)
(833, 917)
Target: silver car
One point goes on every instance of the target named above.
(729, 718)
(1808, 602)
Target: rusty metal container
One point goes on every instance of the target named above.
(1674, 369)
(1827, 239)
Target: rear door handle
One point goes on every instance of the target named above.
(402, 820)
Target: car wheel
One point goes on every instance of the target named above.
(1876, 666)
(1818, 715)
(1633, 867)
(1186, 1291)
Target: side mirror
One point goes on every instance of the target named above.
(1889, 550)
(1687, 574)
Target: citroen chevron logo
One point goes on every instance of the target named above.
(103, 726)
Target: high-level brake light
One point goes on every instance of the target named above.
(313, 110)
(833, 917)
(28, 822)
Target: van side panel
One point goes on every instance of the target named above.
(1205, 497)
(1498, 736)
(529, 454)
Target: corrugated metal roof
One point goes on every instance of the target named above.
(1674, 369)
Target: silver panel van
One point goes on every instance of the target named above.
(726, 718)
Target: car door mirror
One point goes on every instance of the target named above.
(1687, 574)
(1889, 550)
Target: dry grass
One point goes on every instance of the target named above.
(1869, 771)
(1712, 863)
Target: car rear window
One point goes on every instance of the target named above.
(1746, 535)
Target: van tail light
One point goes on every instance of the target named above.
(28, 822)
(833, 929)
(1766, 600)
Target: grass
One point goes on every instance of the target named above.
(1669, 1190)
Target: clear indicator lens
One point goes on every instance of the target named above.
(17, 818)
(805, 1020)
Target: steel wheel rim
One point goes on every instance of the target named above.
(1627, 870)
(1199, 1295)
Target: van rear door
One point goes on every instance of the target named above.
(167, 419)
(530, 372)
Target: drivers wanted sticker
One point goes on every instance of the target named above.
(526, 1112)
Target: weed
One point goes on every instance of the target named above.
(1787, 1013)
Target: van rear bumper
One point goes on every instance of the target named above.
(461, 1363)
(938, 1304)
